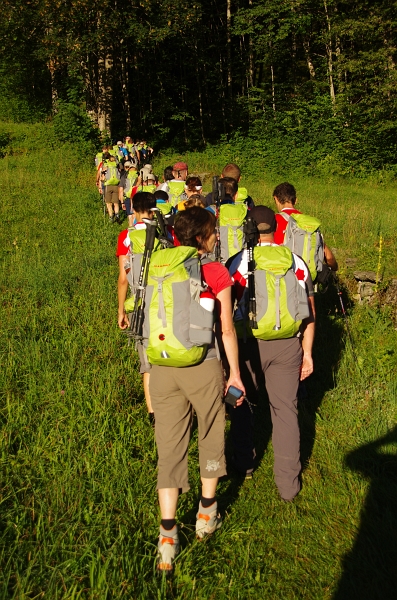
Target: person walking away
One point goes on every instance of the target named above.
(111, 177)
(278, 352)
(232, 170)
(176, 186)
(193, 185)
(284, 196)
(129, 248)
(126, 185)
(176, 392)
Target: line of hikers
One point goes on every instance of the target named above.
(218, 295)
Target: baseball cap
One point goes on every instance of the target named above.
(180, 166)
(127, 163)
(264, 218)
(150, 177)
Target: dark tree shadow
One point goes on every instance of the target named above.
(370, 568)
(328, 346)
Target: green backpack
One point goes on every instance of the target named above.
(231, 222)
(281, 302)
(112, 174)
(130, 182)
(303, 237)
(133, 265)
(164, 207)
(242, 195)
(176, 192)
(176, 329)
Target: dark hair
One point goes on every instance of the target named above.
(193, 223)
(106, 156)
(230, 185)
(232, 170)
(161, 195)
(143, 202)
(168, 174)
(195, 200)
(192, 183)
(285, 192)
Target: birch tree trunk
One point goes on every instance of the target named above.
(328, 49)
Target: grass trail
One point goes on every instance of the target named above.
(79, 516)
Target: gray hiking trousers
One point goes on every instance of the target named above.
(277, 363)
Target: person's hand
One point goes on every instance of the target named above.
(123, 321)
(236, 381)
(307, 366)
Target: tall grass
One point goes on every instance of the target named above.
(79, 516)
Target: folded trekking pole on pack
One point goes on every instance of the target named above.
(218, 195)
(136, 322)
(163, 237)
(251, 237)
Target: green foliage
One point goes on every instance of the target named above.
(72, 124)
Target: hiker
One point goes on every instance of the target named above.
(193, 185)
(167, 176)
(111, 176)
(126, 186)
(285, 199)
(176, 392)
(143, 202)
(176, 186)
(231, 220)
(278, 352)
(233, 171)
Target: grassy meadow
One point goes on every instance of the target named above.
(79, 515)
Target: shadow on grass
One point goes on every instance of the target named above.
(328, 345)
(370, 568)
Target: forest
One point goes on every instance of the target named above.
(317, 77)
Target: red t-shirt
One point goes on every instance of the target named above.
(217, 277)
(282, 224)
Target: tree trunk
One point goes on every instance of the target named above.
(54, 92)
(310, 65)
(229, 57)
(328, 49)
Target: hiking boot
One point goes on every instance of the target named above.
(117, 218)
(208, 521)
(111, 219)
(168, 548)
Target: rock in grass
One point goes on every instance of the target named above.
(366, 276)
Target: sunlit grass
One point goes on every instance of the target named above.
(79, 515)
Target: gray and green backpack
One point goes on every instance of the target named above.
(303, 237)
(176, 192)
(130, 182)
(231, 222)
(176, 329)
(281, 302)
(112, 174)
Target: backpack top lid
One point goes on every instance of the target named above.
(232, 215)
(242, 194)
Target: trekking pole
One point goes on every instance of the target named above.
(349, 335)
(251, 234)
(139, 305)
(216, 189)
(163, 237)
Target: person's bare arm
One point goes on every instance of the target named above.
(330, 258)
(229, 339)
(307, 341)
(122, 289)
